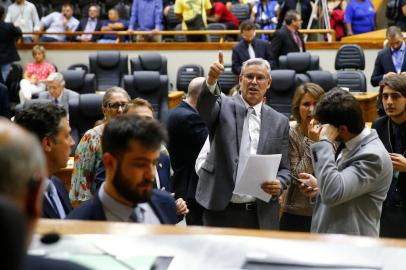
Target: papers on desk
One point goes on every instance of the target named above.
(255, 170)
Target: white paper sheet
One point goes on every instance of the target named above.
(256, 170)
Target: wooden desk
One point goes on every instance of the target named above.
(368, 105)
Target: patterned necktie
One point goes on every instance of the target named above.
(56, 102)
(245, 145)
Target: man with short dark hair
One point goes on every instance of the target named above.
(391, 129)
(350, 183)
(50, 124)
(131, 147)
(390, 60)
(248, 47)
(287, 39)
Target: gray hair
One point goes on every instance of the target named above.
(394, 31)
(56, 76)
(22, 160)
(256, 62)
(110, 92)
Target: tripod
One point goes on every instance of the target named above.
(324, 14)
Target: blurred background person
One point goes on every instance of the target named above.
(359, 17)
(24, 15)
(146, 15)
(115, 24)
(265, 14)
(91, 23)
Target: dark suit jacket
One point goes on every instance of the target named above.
(282, 43)
(41, 263)
(4, 101)
(161, 201)
(8, 37)
(82, 27)
(240, 53)
(381, 126)
(224, 116)
(67, 95)
(47, 210)
(383, 65)
(187, 134)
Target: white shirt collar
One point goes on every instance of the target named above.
(257, 108)
(354, 142)
(114, 208)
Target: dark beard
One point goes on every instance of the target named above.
(129, 194)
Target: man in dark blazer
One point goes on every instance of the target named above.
(238, 127)
(248, 47)
(9, 34)
(287, 39)
(50, 124)
(391, 59)
(131, 148)
(187, 134)
(391, 130)
(92, 23)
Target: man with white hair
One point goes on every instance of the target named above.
(57, 91)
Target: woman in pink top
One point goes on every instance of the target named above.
(35, 74)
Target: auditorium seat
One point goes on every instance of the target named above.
(279, 96)
(324, 78)
(79, 81)
(299, 62)
(355, 80)
(216, 26)
(241, 11)
(80, 66)
(185, 74)
(228, 79)
(83, 114)
(152, 86)
(109, 68)
(150, 62)
(350, 56)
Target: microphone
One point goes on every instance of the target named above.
(50, 238)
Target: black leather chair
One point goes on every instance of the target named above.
(227, 80)
(299, 62)
(279, 96)
(79, 81)
(179, 38)
(355, 80)
(241, 11)
(350, 56)
(79, 66)
(215, 26)
(109, 68)
(150, 62)
(83, 114)
(152, 86)
(187, 73)
(324, 78)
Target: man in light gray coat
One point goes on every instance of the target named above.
(239, 126)
(57, 92)
(352, 182)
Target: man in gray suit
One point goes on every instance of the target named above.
(352, 182)
(57, 92)
(239, 126)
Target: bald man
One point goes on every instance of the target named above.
(187, 134)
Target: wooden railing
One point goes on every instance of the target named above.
(221, 33)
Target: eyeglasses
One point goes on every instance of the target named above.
(259, 78)
(116, 106)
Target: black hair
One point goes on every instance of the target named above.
(247, 25)
(118, 133)
(338, 107)
(42, 119)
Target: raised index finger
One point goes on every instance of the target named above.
(221, 58)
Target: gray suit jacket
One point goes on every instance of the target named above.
(224, 116)
(66, 96)
(352, 193)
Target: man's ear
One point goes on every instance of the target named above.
(110, 163)
(343, 129)
(46, 144)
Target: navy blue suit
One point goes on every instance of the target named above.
(383, 65)
(240, 53)
(47, 210)
(161, 201)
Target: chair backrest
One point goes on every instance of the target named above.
(355, 80)
(299, 61)
(228, 79)
(109, 68)
(187, 73)
(324, 78)
(79, 81)
(241, 11)
(280, 95)
(150, 62)
(179, 38)
(152, 86)
(83, 114)
(215, 26)
(171, 20)
(350, 56)
(79, 66)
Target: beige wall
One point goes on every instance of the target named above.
(63, 58)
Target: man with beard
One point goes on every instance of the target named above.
(391, 129)
(351, 182)
(131, 148)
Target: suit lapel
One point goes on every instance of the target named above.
(48, 211)
(289, 34)
(240, 112)
(245, 53)
(266, 119)
(389, 57)
(158, 211)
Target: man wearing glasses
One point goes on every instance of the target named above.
(239, 126)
